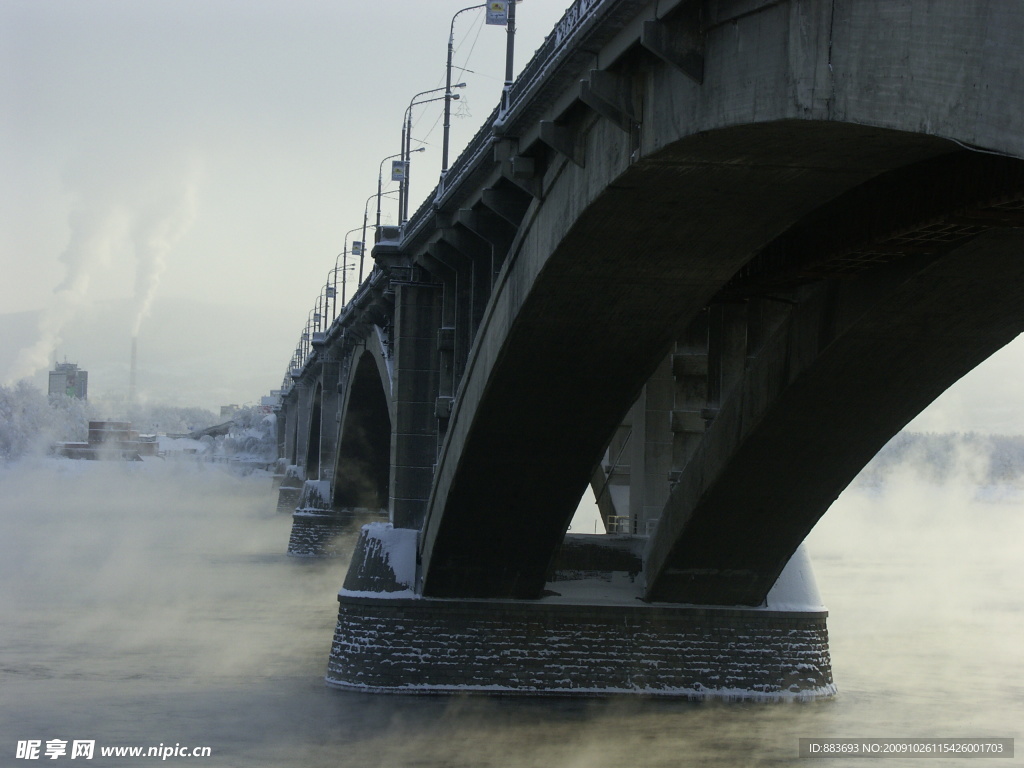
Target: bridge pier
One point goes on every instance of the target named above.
(733, 247)
(422, 355)
(316, 526)
(588, 636)
(289, 492)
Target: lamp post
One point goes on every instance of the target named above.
(366, 216)
(305, 338)
(331, 290)
(403, 202)
(380, 182)
(448, 86)
(403, 190)
(320, 313)
(404, 154)
(331, 294)
(510, 46)
(344, 265)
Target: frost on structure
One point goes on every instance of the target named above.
(316, 496)
(383, 563)
(528, 647)
(592, 637)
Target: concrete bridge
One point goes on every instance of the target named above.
(707, 260)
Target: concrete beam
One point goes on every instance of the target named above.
(563, 139)
(611, 96)
(680, 44)
(507, 204)
(486, 225)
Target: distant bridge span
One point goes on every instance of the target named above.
(740, 243)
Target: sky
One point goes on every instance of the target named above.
(173, 163)
(188, 172)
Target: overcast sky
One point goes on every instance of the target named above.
(187, 170)
(215, 153)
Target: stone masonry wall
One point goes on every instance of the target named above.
(424, 645)
(314, 535)
(288, 496)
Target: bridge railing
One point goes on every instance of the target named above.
(536, 71)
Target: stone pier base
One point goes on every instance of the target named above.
(289, 490)
(414, 645)
(590, 635)
(316, 526)
(316, 533)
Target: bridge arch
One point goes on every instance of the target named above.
(363, 467)
(602, 282)
(890, 320)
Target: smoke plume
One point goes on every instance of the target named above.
(144, 216)
(156, 229)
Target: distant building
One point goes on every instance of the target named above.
(110, 440)
(228, 411)
(68, 379)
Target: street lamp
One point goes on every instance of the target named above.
(380, 182)
(344, 265)
(404, 154)
(331, 291)
(366, 216)
(448, 86)
(403, 203)
(510, 45)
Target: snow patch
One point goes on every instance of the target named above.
(399, 547)
(796, 588)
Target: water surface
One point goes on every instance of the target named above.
(153, 604)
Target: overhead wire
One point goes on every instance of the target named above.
(477, 28)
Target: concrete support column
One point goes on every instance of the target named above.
(304, 408)
(290, 416)
(727, 351)
(690, 370)
(418, 315)
(330, 405)
(650, 476)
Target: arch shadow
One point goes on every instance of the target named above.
(363, 469)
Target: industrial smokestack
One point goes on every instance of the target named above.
(131, 375)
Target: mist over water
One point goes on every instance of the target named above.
(153, 603)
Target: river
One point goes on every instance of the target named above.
(151, 604)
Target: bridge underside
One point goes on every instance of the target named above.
(361, 477)
(896, 260)
(734, 245)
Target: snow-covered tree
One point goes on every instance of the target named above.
(30, 422)
(253, 435)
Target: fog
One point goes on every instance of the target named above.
(152, 603)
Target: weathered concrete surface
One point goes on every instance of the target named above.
(854, 363)
(697, 237)
(621, 254)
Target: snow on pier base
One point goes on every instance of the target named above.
(317, 526)
(590, 637)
